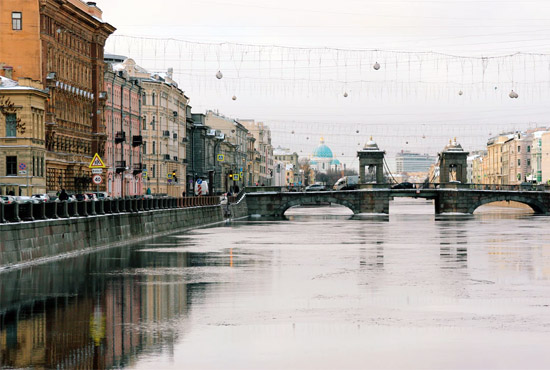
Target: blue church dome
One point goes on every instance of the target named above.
(322, 151)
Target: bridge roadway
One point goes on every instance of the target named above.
(376, 200)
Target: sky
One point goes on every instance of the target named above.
(306, 68)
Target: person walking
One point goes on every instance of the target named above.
(63, 196)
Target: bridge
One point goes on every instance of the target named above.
(448, 198)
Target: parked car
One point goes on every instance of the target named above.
(92, 197)
(403, 185)
(316, 187)
(82, 198)
(102, 195)
(42, 197)
(22, 199)
(7, 199)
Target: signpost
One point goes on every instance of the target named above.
(23, 171)
(97, 165)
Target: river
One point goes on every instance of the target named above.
(322, 289)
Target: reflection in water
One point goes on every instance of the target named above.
(321, 289)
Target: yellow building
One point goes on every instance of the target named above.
(497, 163)
(22, 137)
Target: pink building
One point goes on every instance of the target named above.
(124, 140)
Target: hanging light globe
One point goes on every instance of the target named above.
(234, 97)
(345, 95)
(219, 75)
(292, 132)
(376, 66)
(460, 93)
(513, 95)
(356, 131)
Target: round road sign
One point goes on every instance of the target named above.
(97, 179)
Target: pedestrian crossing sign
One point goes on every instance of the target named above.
(96, 162)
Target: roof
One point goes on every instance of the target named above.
(322, 151)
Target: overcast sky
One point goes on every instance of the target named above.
(446, 66)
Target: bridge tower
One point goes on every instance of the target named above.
(372, 157)
(453, 163)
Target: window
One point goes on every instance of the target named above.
(11, 166)
(519, 176)
(154, 147)
(519, 149)
(154, 171)
(153, 96)
(153, 123)
(144, 147)
(528, 162)
(519, 162)
(11, 125)
(16, 21)
(528, 149)
(144, 99)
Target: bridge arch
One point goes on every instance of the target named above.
(535, 205)
(303, 201)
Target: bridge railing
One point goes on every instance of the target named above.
(408, 185)
(16, 212)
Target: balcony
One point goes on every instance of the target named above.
(120, 137)
(138, 168)
(137, 140)
(120, 166)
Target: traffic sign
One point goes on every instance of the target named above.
(97, 179)
(199, 181)
(22, 166)
(97, 162)
(221, 157)
(97, 171)
(22, 172)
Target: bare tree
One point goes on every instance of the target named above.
(8, 107)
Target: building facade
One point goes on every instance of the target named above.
(66, 39)
(406, 162)
(263, 156)
(22, 137)
(122, 113)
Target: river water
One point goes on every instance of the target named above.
(322, 289)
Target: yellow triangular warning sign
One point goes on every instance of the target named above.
(96, 162)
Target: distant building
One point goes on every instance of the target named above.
(287, 168)
(322, 159)
(406, 162)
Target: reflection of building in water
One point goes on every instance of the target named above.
(453, 250)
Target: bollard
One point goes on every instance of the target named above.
(73, 209)
(99, 207)
(121, 205)
(107, 204)
(51, 209)
(2, 219)
(62, 209)
(91, 207)
(140, 205)
(11, 212)
(39, 211)
(135, 205)
(25, 211)
(82, 208)
(114, 206)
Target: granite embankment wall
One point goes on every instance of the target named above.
(25, 242)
